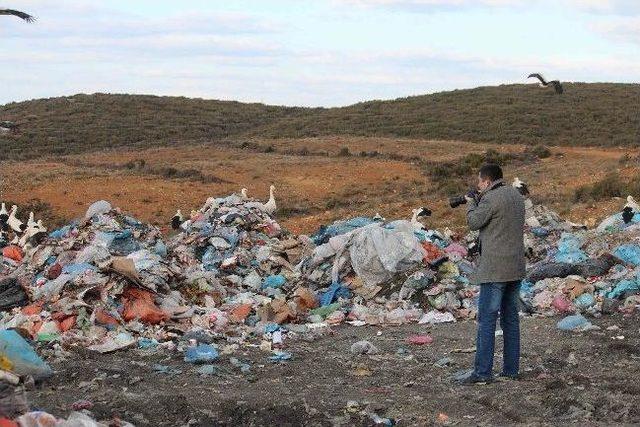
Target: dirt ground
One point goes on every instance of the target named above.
(585, 378)
(314, 187)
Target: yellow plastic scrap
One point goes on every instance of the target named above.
(5, 363)
(449, 269)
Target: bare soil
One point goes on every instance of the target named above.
(569, 378)
(315, 185)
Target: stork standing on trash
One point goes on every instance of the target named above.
(630, 209)
(269, 207)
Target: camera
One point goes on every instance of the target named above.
(456, 201)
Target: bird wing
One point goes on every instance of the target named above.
(21, 15)
(539, 77)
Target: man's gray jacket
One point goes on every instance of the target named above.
(499, 216)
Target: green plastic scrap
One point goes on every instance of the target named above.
(326, 310)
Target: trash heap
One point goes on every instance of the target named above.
(90, 282)
(231, 272)
(239, 264)
(393, 272)
(585, 271)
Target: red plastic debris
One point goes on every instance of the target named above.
(420, 339)
(12, 252)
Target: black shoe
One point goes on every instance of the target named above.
(470, 378)
(509, 377)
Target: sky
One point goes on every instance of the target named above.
(310, 52)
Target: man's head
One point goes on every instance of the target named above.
(488, 173)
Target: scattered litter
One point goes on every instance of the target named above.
(201, 353)
(363, 347)
(575, 323)
(420, 339)
(280, 356)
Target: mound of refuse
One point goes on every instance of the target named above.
(109, 281)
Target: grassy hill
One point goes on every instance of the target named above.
(586, 114)
(83, 123)
(605, 114)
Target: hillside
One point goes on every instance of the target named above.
(82, 123)
(587, 114)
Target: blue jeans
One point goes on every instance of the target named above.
(498, 298)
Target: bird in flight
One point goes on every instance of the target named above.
(22, 15)
(556, 83)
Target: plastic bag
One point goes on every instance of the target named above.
(377, 253)
(201, 353)
(575, 323)
(623, 287)
(569, 249)
(628, 253)
(326, 232)
(139, 304)
(335, 291)
(12, 252)
(276, 281)
(17, 356)
(97, 208)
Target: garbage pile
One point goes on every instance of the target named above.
(391, 272)
(585, 271)
(89, 280)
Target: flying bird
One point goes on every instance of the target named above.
(22, 15)
(520, 186)
(556, 83)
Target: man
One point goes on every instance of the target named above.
(498, 212)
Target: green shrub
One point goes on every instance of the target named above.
(609, 186)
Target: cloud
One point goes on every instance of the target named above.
(622, 7)
(430, 5)
(621, 29)
(591, 6)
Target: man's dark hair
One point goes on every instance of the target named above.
(491, 171)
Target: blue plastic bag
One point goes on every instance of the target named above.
(123, 243)
(540, 232)
(624, 286)
(76, 269)
(628, 253)
(280, 356)
(61, 232)
(584, 301)
(569, 250)
(326, 232)
(201, 353)
(212, 258)
(274, 281)
(17, 356)
(335, 291)
(160, 248)
(574, 323)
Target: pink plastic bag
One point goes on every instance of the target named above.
(420, 339)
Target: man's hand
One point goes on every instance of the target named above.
(469, 199)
